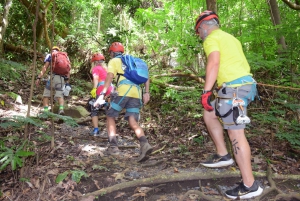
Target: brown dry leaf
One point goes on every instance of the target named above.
(120, 194)
(90, 198)
(139, 195)
(29, 184)
(52, 172)
(119, 176)
(35, 182)
(163, 198)
(274, 168)
(256, 160)
(77, 193)
(176, 170)
(96, 183)
(144, 189)
(193, 196)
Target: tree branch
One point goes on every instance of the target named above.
(293, 6)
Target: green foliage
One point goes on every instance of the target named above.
(11, 70)
(182, 149)
(18, 122)
(181, 103)
(199, 140)
(13, 155)
(282, 115)
(76, 175)
(99, 167)
(292, 134)
(68, 120)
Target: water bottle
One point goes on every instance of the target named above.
(66, 89)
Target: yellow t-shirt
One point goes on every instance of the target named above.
(233, 63)
(115, 66)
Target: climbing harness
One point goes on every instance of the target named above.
(117, 106)
(239, 116)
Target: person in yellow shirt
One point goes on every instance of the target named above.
(127, 96)
(227, 66)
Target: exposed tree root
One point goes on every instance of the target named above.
(281, 195)
(199, 193)
(187, 176)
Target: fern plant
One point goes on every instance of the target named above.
(13, 155)
(76, 175)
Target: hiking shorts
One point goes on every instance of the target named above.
(58, 83)
(223, 104)
(126, 103)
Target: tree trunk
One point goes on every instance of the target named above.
(4, 24)
(42, 16)
(211, 5)
(275, 16)
(99, 19)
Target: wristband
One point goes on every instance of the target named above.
(205, 91)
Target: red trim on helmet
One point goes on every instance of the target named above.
(204, 16)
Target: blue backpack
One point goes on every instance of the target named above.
(136, 69)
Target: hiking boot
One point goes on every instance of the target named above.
(145, 150)
(95, 133)
(242, 192)
(216, 161)
(113, 150)
(61, 112)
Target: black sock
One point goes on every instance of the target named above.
(113, 140)
(143, 140)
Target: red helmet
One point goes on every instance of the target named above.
(116, 47)
(206, 15)
(97, 57)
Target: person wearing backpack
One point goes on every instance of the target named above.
(228, 67)
(61, 76)
(99, 75)
(129, 96)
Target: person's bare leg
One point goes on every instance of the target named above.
(111, 129)
(61, 101)
(215, 130)
(95, 121)
(242, 153)
(135, 127)
(45, 101)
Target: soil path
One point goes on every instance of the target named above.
(171, 173)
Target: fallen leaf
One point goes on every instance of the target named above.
(77, 193)
(144, 189)
(119, 176)
(176, 170)
(120, 194)
(139, 195)
(52, 172)
(193, 196)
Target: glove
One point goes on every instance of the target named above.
(99, 101)
(93, 93)
(205, 101)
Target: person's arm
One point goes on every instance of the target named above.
(95, 81)
(41, 74)
(212, 69)
(146, 95)
(108, 81)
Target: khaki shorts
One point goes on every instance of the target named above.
(58, 83)
(224, 103)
